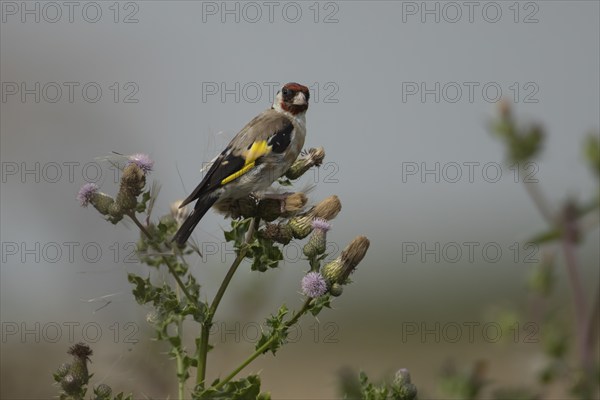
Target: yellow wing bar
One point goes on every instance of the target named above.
(237, 174)
(257, 150)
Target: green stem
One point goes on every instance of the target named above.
(181, 371)
(539, 200)
(265, 345)
(205, 330)
(580, 303)
(165, 260)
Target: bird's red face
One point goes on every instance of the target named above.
(292, 98)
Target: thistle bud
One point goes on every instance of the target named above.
(89, 194)
(103, 392)
(338, 270)
(115, 213)
(332, 271)
(314, 157)
(336, 290)
(403, 388)
(63, 370)
(300, 226)
(318, 241)
(102, 203)
(69, 384)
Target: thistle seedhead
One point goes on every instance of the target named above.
(327, 210)
(238, 208)
(132, 185)
(77, 376)
(179, 213)
(293, 203)
(280, 233)
(268, 208)
(80, 351)
(355, 252)
(314, 157)
(338, 270)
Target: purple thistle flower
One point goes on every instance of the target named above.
(314, 285)
(321, 224)
(86, 193)
(143, 161)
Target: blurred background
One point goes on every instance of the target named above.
(402, 98)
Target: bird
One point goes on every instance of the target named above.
(257, 156)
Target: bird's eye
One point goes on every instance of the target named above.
(285, 91)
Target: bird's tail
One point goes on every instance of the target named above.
(202, 206)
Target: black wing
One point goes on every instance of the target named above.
(225, 165)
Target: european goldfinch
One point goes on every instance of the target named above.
(257, 156)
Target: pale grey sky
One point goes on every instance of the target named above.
(397, 90)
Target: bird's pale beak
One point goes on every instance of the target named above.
(299, 99)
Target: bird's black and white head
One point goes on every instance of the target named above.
(293, 98)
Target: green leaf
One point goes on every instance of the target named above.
(319, 303)
(369, 391)
(265, 254)
(278, 331)
(141, 205)
(244, 389)
(144, 292)
(545, 237)
(175, 341)
(238, 231)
